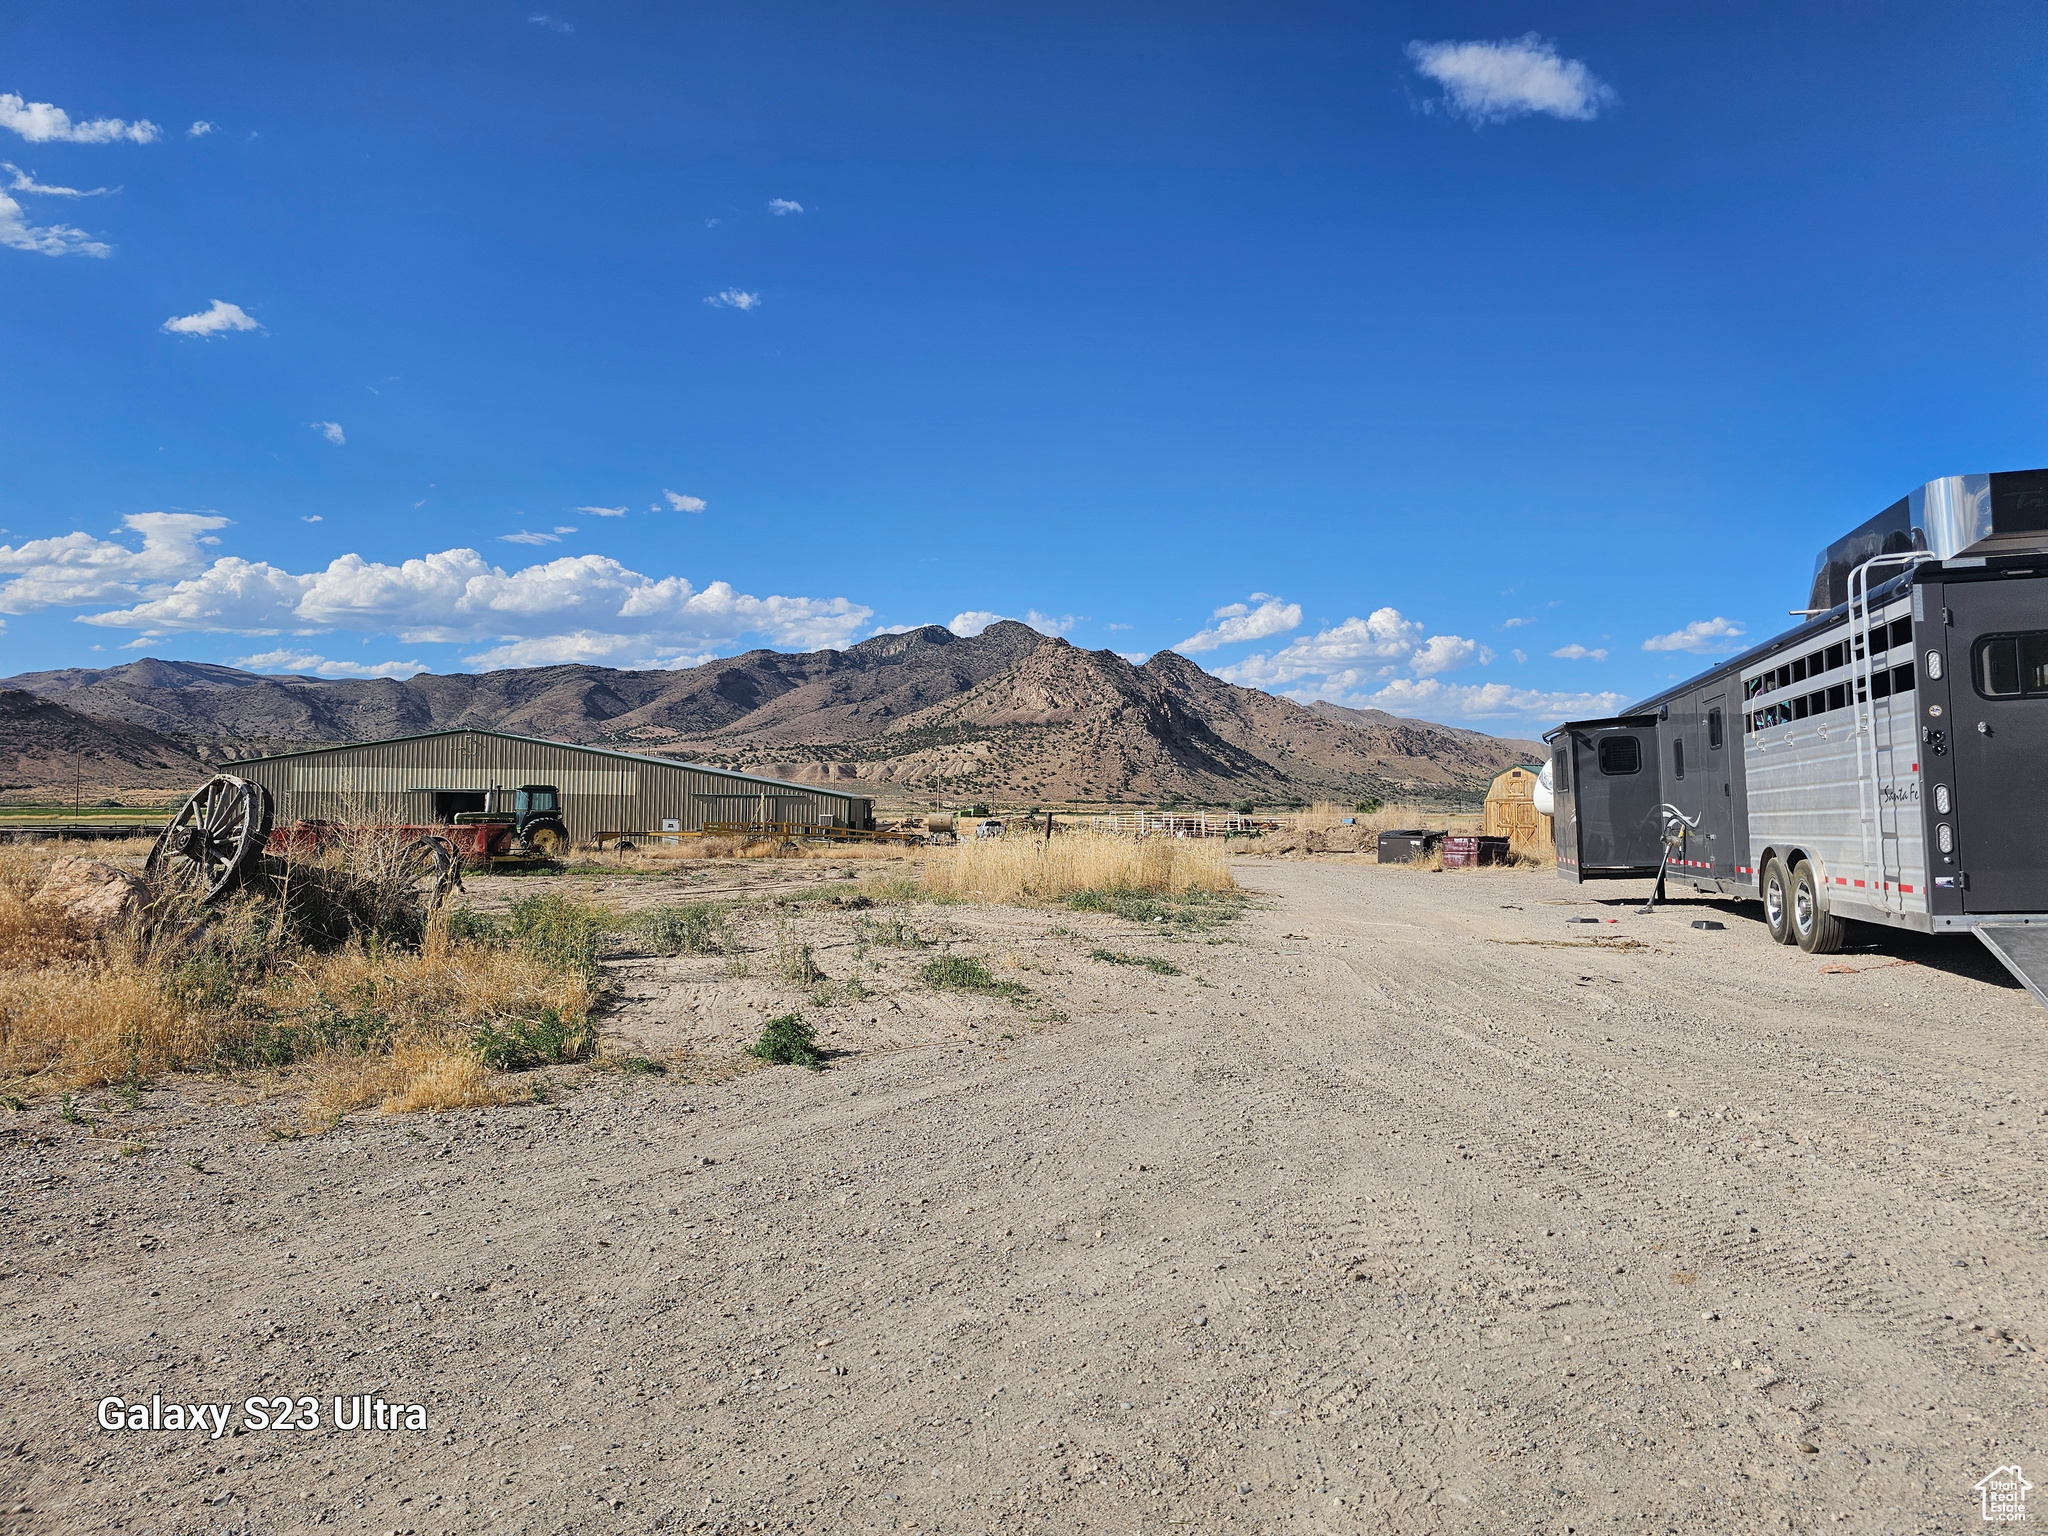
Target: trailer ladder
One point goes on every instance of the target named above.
(1869, 794)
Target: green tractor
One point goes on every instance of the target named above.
(535, 819)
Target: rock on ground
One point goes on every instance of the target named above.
(92, 894)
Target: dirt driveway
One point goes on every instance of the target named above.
(1408, 1207)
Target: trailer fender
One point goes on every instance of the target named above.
(1821, 885)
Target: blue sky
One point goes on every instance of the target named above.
(1482, 362)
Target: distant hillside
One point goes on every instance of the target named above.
(1008, 712)
(45, 747)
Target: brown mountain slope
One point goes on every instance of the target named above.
(814, 696)
(1006, 713)
(47, 748)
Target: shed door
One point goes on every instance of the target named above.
(1998, 731)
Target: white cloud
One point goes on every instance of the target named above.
(331, 430)
(315, 518)
(1486, 701)
(680, 503)
(734, 298)
(1577, 652)
(1446, 653)
(1703, 637)
(975, 620)
(1520, 656)
(529, 538)
(560, 528)
(1385, 636)
(223, 316)
(552, 23)
(1135, 658)
(25, 181)
(200, 129)
(1515, 623)
(1491, 82)
(1239, 622)
(45, 239)
(783, 206)
(320, 666)
(603, 511)
(584, 604)
(76, 568)
(41, 123)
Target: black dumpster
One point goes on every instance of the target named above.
(1405, 847)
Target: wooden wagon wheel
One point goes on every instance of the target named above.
(216, 838)
(430, 871)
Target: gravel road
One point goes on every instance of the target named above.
(1409, 1207)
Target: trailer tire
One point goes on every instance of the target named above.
(1777, 893)
(1819, 931)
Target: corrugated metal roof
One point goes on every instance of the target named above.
(567, 746)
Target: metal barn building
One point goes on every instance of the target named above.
(425, 779)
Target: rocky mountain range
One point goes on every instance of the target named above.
(1008, 713)
(47, 747)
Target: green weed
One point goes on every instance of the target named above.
(634, 1066)
(964, 973)
(67, 1111)
(1152, 963)
(466, 925)
(793, 960)
(788, 1041)
(518, 1044)
(892, 933)
(695, 928)
(560, 930)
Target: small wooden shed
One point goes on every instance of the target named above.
(1511, 809)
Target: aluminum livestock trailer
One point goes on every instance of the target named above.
(1885, 762)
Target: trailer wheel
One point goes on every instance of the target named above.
(1777, 888)
(1819, 932)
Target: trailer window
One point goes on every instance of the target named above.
(1678, 757)
(1714, 730)
(1620, 755)
(1837, 653)
(2008, 666)
(1902, 631)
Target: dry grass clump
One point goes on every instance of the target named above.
(1010, 869)
(417, 1074)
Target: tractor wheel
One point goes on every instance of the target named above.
(546, 841)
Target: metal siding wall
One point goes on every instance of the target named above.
(653, 791)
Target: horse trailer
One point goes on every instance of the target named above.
(1885, 762)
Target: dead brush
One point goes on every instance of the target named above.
(1029, 869)
(328, 962)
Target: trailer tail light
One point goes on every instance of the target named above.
(1944, 839)
(1941, 799)
(1934, 665)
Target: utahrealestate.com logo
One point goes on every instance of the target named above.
(2004, 1494)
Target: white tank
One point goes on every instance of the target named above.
(1544, 799)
